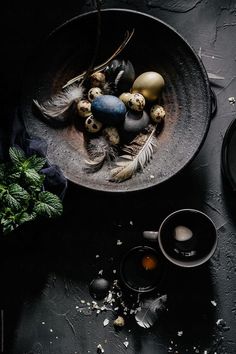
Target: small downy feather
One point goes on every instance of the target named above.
(138, 155)
(99, 151)
(150, 311)
(58, 105)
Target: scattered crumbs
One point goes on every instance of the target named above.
(231, 100)
(98, 311)
(100, 349)
(88, 303)
(109, 297)
(100, 272)
(77, 307)
(119, 242)
(114, 271)
(205, 352)
(56, 337)
(126, 343)
(50, 342)
(106, 322)
(82, 301)
(222, 325)
(129, 330)
(152, 176)
(213, 303)
(138, 308)
(43, 323)
(180, 333)
(119, 322)
(51, 330)
(97, 256)
(131, 223)
(116, 308)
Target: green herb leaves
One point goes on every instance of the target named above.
(22, 197)
(48, 204)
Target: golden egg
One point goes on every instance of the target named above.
(149, 84)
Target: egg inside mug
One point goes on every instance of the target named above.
(187, 237)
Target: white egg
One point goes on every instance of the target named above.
(182, 233)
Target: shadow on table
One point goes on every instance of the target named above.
(188, 324)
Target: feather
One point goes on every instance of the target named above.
(61, 102)
(138, 155)
(150, 311)
(99, 151)
(102, 66)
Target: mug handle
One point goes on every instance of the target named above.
(151, 235)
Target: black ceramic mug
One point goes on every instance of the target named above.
(187, 238)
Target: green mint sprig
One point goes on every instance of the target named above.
(22, 197)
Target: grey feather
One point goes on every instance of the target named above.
(61, 102)
(150, 311)
(99, 151)
(138, 155)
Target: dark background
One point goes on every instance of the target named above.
(46, 272)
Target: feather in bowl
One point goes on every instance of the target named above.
(186, 96)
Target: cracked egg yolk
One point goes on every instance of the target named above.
(149, 262)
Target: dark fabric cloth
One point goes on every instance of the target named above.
(17, 135)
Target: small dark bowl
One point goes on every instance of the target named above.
(134, 276)
(204, 233)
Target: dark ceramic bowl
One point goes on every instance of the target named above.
(133, 273)
(155, 46)
(194, 252)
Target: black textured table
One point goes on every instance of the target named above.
(45, 302)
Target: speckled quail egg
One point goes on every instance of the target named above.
(112, 135)
(125, 96)
(136, 102)
(97, 79)
(149, 84)
(93, 93)
(157, 113)
(84, 108)
(92, 125)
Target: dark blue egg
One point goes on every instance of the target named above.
(108, 109)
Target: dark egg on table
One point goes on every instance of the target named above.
(99, 288)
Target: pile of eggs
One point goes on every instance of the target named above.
(130, 106)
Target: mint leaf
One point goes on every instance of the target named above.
(15, 197)
(23, 217)
(17, 155)
(36, 162)
(18, 193)
(3, 190)
(33, 177)
(48, 204)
